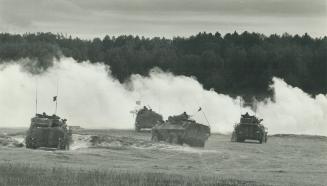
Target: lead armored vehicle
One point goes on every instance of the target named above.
(181, 129)
(250, 128)
(49, 132)
(146, 119)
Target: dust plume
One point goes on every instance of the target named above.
(90, 97)
(294, 111)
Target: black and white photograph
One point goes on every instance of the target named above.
(163, 93)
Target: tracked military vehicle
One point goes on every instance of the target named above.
(249, 128)
(146, 119)
(49, 132)
(181, 130)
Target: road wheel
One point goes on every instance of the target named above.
(180, 141)
(233, 139)
(261, 139)
(28, 142)
(201, 143)
(174, 139)
(155, 137)
(59, 146)
(198, 143)
(168, 139)
(32, 143)
(65, 143)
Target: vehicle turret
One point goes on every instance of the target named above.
(146, 118)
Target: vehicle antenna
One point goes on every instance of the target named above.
(200, 109)
(206, 118)
(136, 108)
(159, 104)
(36, 97)
(56, 97)
(255, 104)
(240, 105)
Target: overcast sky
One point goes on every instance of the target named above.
(164, 18)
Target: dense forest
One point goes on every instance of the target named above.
(234, 64)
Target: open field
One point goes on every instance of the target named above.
(129, 158)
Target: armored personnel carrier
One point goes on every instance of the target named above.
(181, 129)
(49, 132)
(146, 119)
(250, 127)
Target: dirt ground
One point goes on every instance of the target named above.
(284, 160)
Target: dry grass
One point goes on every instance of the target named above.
(24, 174)
(128, 158)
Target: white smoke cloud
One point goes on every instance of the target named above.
(171, 95)
(294, 111)
(91, 98)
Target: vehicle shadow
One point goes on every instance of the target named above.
(250, 142)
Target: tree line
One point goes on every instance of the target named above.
(234, 63)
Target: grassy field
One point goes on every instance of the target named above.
(129, 158)
(18, 174)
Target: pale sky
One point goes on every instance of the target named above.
(163, 18)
